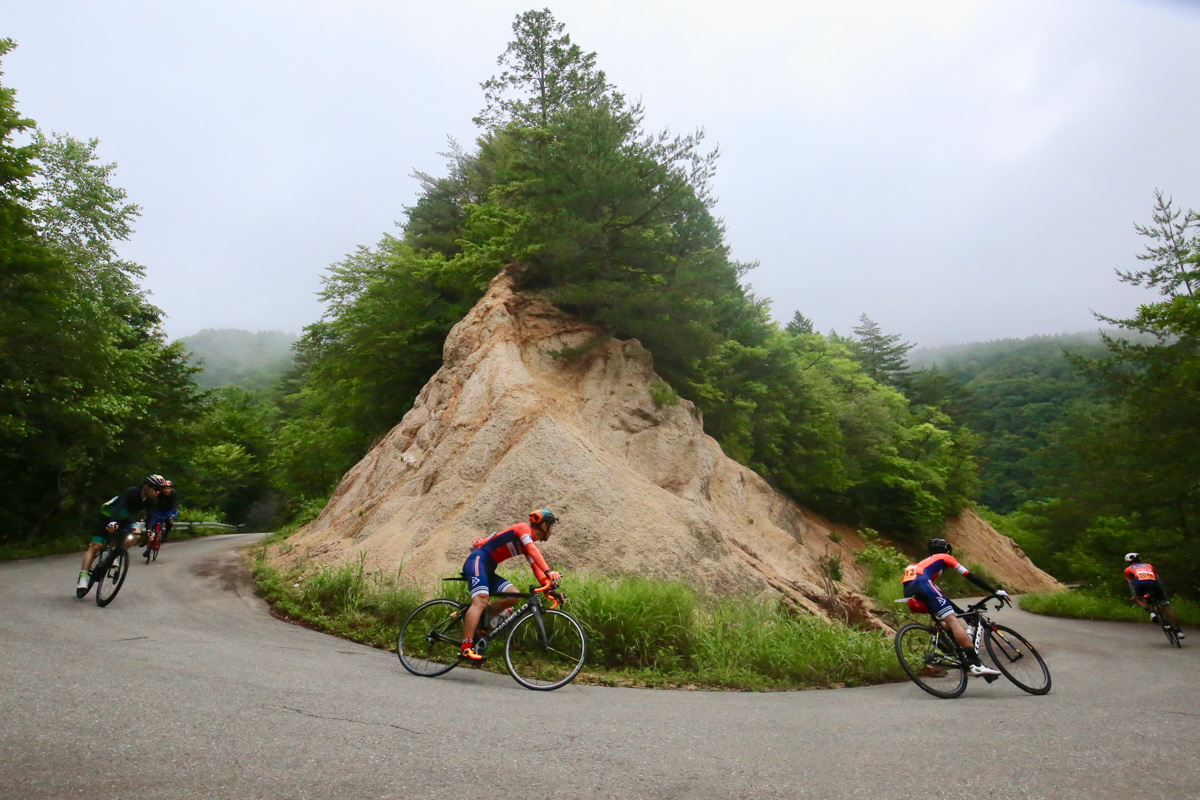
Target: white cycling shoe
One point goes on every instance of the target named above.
(83, 581)
(979, 670)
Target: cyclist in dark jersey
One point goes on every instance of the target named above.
(1143, 581)
(480, 570)
(120, 512)
(919, 583)
(164, 510)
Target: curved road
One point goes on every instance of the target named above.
(185, 687)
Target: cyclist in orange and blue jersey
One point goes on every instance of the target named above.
(919, 583)
(480, 570)
(1143, 582)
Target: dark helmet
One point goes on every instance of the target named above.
(157, 481)
(939, 546)
(1133, 558)
(542, 515)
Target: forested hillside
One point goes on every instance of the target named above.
(1014, 393)
(228, 357)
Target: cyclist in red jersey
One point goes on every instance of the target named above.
(918, 582)
(480, 570)
(1143, 580)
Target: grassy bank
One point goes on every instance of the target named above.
(640, 632)
(1079, 604)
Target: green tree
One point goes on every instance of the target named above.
(545, 74)
(799, 324)
(883, 356)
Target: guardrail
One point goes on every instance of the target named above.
(196, 525)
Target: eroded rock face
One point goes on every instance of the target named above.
(508, 425)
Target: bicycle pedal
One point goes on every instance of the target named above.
(991, 678)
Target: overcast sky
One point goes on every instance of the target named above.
(959, 171)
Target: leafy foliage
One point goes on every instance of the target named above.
(91, 395)
(1120, 472)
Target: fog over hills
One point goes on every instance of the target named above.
(231, 357)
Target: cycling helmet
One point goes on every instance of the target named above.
(542, 515)
(939, 546)
(157, 481)
(1133, 558)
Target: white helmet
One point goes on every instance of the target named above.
(1132, 558)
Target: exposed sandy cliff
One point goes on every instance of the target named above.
(506, 426)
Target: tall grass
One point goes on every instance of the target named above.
(640, 631)
(1078, 604)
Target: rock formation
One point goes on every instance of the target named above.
(534, 408)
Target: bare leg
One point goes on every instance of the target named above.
(89, 555)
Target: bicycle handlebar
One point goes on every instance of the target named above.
(982, 604)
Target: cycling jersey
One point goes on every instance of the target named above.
(1140, 572)
(123, 509)
(919, 580)
(1143, 581)
(488, 551)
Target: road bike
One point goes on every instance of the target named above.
(153, 542)
(1160, 609)
(108, 570)
(544, 647)
(934, 661)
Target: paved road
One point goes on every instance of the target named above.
(186, 688)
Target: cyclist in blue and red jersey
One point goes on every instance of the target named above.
(919, 583)
(120, 513)
(165, 509)
(480, 570)
(1143, 582)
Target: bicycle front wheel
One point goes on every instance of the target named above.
(1017, 659)
(931, 660)
(431, 638)
(113, 576)
(548, 655)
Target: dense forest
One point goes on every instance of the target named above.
(1081, 447)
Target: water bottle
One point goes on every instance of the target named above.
(495, 621)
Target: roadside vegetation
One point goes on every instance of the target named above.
(1078, 604)
(641, 632)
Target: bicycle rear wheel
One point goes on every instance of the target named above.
(112, 576)
(1017, 659)
(1168, 628)
(431, 638)
(548, 656)
(924, 656)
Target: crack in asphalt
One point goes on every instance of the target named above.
(133, 638)
(355, 721)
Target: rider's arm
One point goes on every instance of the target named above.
(975, 579)
(539, 565)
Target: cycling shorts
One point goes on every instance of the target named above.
(928, 593)
(1152, 588)
(480, 572)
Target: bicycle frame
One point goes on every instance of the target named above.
(532, 605)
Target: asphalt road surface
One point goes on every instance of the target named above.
(185, 687)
